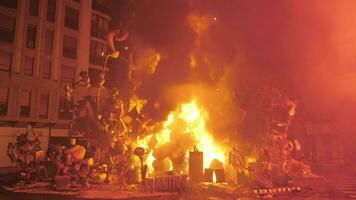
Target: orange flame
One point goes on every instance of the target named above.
(193, 61)
(194, 123)
(199, 24)
(214, 177)
(145, 65)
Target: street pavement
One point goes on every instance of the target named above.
(341, 187)
(346, 185)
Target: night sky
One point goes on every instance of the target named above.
(306, 48)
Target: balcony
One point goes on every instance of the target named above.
(72, 24)
(71, 19)
(97, 32)
(101, 7)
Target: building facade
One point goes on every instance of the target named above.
(44, 45)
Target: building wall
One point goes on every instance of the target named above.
(16, 79)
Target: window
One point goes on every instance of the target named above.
(98, 52)
(31, 36)
(68, 74)
(101, 5)
(46, 69)
(3, 100)
(7, 28)
(28, 66)
(33, 7)
(51, 10)
(25, 103)
(65, 111)
(48, 44)
(5, 61)
(9, 3)
(69, 47)
(99, 26)
(71, 18)
(43, 109)
(94, 76)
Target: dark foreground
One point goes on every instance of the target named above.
(307, 194)
(340, 187)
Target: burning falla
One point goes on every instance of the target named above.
(184, 129)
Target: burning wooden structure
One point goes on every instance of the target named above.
(188, 145)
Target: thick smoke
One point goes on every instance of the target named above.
(196, 61)
(168, 28)
(304, 48)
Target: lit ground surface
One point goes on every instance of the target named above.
(107, 194)
(118, 195)
(341, 187)
(301, 196)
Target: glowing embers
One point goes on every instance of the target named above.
(184, 129)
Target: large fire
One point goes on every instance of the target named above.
(184, 129)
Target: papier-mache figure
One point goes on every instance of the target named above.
(264, 169)
(76, 151)
(237, 160)
(74, 165)
(118, 163)
(265, 161)
(27, 154)
(141, 153)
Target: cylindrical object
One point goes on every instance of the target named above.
(195, 166)
(208, 175)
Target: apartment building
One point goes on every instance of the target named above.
(44, 45)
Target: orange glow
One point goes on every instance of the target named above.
(153, 62)
(214, 177)
(251, 160)
(199, 24)
(145, 65)
(193, 62)
(196, 119)
(292, 107)
(194, 123)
